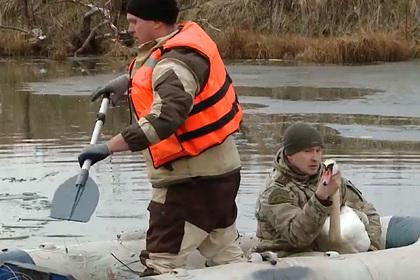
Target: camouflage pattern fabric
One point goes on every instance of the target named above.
(290, 217)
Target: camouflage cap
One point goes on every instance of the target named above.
(300, 136)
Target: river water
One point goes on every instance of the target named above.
(369, 117)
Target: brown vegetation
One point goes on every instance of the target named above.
(60, 28)
(357, 48)
(325, 31)
(312, 18)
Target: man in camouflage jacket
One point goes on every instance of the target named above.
(293, 205)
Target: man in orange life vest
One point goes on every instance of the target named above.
(187, 111)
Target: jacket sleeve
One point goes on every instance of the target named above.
(298, 226)
(353, 198)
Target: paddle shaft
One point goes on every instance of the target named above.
(100, 120)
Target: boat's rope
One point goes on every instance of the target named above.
(121, 262)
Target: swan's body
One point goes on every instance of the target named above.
(353, 235)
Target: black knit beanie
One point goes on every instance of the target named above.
(160, 10)
(300, 136)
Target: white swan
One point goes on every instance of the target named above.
(343, 231)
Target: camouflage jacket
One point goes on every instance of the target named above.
(290, 217)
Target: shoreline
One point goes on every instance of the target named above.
(237, 44)
(330, 32)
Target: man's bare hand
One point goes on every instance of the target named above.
(333, 182)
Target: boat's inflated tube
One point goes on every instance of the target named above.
(402, 231)
(17, 255)
(18, 271)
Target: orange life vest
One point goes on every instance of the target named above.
(216, 113)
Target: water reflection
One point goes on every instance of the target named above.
(46, 119)
(343, 133)
(307, 93)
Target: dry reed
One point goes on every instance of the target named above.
(357, 48)
(13, 44)
(312, 17)
(330, 31)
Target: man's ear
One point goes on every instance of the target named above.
(287, 157)
(157, 24)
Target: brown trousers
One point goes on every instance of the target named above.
(197, 214)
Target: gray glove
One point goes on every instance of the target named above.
(115, 88)
(94, 152)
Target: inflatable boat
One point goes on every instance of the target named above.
(119, 259)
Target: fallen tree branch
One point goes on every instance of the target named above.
(104, 12)
(206, 21)
(89, 38)
(15, 29)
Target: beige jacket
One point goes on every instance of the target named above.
(179, 75)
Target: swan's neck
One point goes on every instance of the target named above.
(335, 227)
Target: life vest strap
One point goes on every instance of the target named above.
(201, 106)
(212, 126)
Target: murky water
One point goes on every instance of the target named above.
(369, 115)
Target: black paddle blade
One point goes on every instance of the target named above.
(75, 203)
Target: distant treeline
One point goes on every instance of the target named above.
(325, 31)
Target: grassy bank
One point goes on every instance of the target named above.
(322, 31)
(354, 48)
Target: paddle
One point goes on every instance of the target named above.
(77, 197)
